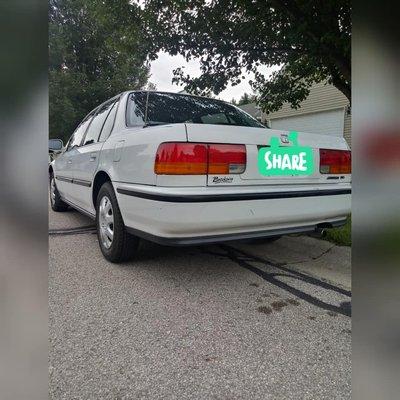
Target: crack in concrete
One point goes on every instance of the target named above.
(312, 258)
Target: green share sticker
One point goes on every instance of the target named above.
(290, 160)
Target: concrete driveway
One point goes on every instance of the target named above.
(231, 321)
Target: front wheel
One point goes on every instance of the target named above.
(55, 199)
(116, 244)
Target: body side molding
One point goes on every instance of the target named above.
(232, 197)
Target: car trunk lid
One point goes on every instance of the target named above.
(256, 138)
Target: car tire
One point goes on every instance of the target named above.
(55, 199)
(116, 244)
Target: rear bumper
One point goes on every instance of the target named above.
(196, 240)
(187, 216)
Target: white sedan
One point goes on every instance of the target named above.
(182, 170)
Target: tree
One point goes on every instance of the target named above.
(310, 40)
(246, 99)
(92, 57)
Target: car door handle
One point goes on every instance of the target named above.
(69, 160)
(92, 157)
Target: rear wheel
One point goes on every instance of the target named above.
(116, 244)
(55, 199)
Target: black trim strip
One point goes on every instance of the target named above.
(81, 182)
(62, 178)
(192, 241)
(232, 197)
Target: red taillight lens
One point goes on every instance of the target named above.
(181, 159)
(226, 159)
(334, 161)
(200, 159)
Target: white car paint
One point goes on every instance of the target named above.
(158, 206)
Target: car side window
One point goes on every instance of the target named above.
(136, 109)
(77, 137)
(218, 118)
(93, 132)
(109, 124)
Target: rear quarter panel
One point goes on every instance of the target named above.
(129, 154)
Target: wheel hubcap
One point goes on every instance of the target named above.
(52, 191)
(106, 222)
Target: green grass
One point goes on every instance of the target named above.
(341, 236)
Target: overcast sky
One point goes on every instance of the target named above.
(161, 76)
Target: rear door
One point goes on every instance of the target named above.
(63, 165)
(63, 173)
(86, 159)
(254, 139)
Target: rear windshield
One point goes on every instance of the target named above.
(170, 108)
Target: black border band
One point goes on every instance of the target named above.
(64, 179)
(80, 182)
(232, 197)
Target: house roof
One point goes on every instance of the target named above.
(322, 97)
(251, 109)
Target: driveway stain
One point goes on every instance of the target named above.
(278, 305)
(265, 310)
(252, 262)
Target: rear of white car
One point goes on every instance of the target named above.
(182, 170)
(203, 184)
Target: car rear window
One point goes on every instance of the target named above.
(170, 108)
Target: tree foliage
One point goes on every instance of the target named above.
(92, 57)
(310, 39)
(246, 99)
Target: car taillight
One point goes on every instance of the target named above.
(226, 159)
(200, 159)
(334, 161)
(181, 159)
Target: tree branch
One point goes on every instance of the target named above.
(298, 16)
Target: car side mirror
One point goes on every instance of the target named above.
(55, 145)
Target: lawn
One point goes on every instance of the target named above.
(341, 236)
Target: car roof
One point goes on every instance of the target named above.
(175, 93)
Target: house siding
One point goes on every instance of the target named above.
(322, 97)
(347, 128)
(329, 122)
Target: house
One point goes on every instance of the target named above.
(326, 111)
(252, 109)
